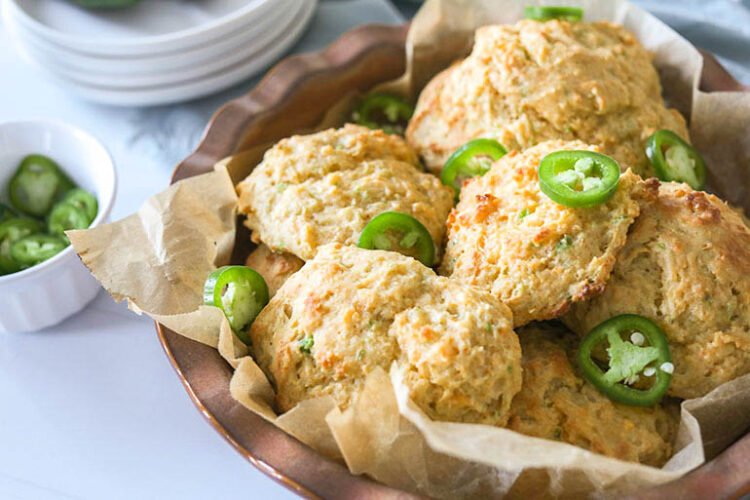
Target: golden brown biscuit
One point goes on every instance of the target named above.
(275, 267)
(324, 188)
(536, 256)
(533, 81)
(350, 310)
(556, 403)
(686, 266)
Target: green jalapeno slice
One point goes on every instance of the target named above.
(675, 160)
(578, 178)
(12, 230)
(33, 249)
(642, 355)
(401, 233)
(239, 291)
(36, 184)
(65, 216)
(6, 212)
(384, 111)
(548, 13)
(83, 200)
(472, 159)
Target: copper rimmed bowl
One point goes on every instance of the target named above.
(294, 97)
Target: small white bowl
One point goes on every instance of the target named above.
(49, 292)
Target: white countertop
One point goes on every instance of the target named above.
(91, 408)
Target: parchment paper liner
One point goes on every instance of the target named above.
(159, 257)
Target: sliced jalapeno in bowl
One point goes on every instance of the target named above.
(401, 233)
(83, 200)
(64, 217)
(36, 184)
(36, 248)
(578, 178)
(384, 111)
(551, 12)
(637, 351)
(40, 188)
(239, 291)
(472, 159)
(675, 160)
(12, 230)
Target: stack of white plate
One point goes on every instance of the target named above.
(155, 52)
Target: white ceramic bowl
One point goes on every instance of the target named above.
(49, 292)
(147, 28)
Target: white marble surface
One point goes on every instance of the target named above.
(91, 408)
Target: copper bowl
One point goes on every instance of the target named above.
(292, 98)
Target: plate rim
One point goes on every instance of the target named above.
(83, 62)
(177, 40)
(241, 54)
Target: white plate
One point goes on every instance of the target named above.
(196, 88)
(172, 70)
(148, 27)
(69, 60)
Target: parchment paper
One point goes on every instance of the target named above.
(158, 258)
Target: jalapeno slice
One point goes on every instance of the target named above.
(65, 216)
(6, 212)
(630, 361)
(83, 200)
(13, 230)
(578, 178)
(241, 293)
(401, 233)
(36, 184)
(36, 248)
(384, 111)
(675, 160)
(547, 13)
(472, 159)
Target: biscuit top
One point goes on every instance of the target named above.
(324, 188)
(275, 267)
(686, 265)
(533, 254)
(534, 81)
(556, 403)
(350, 310)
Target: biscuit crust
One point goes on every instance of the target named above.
(686, 266)
(275, 267)
(534, 81)
(536, 256)
(324, 188)
(556, 403)
(350, 310)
